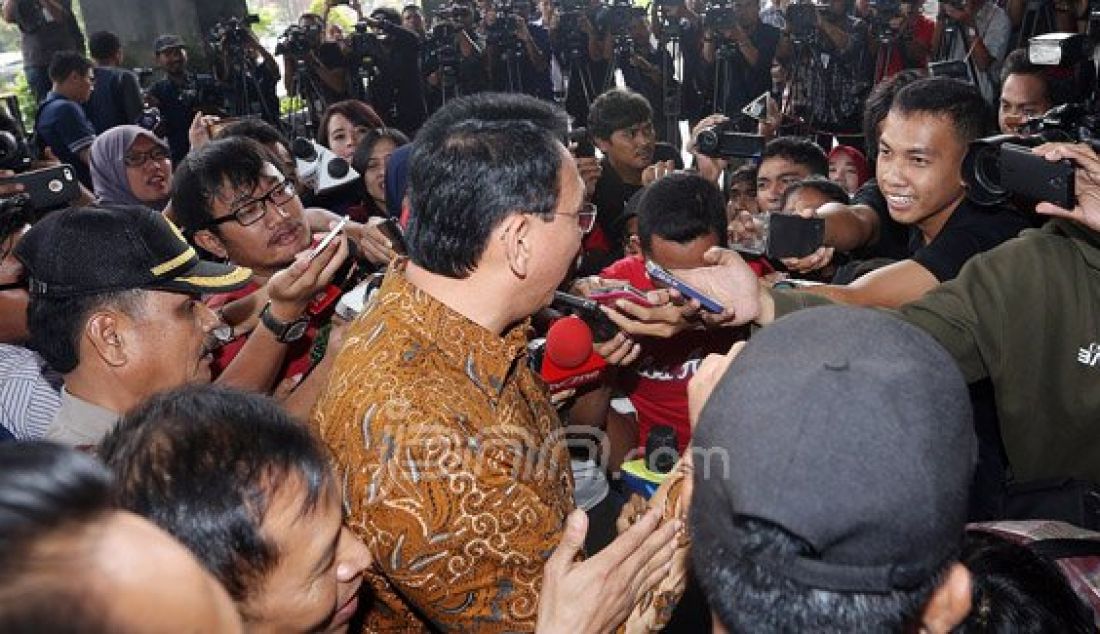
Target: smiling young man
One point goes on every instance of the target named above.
(923, 141)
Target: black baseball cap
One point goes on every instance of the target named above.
(167, 41)
(850, 429)
(90, 250)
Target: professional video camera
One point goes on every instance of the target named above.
(802, 21)
(297, 41)
(440, 45)
(232, 34)
(615, 18)
(724, 141)
(363, 42)
(999, 167)
(15, 152)
(502, 32)
(202, 92)
(882, 13)
(720, 15)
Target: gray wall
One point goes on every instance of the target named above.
(139, 22)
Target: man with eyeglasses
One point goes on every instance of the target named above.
(453, 460)
(61, 123)
(234, 202)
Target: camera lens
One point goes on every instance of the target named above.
(707, 141)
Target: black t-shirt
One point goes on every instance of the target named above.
(741, 83)
(893, 237)
(970, 230)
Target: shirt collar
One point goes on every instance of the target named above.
(487, 359)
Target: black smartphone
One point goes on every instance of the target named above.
(603, 329)
(791, 236)
(584, 147)
(48, 188)
(1032, 176)
(393, 231)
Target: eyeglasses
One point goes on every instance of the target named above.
(138, 159)
(251, 211)
(586, 217)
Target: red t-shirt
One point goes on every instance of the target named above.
(297, 360)
(657, 383)
(923, 30)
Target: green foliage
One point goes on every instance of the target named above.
(27, 104)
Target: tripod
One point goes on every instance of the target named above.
(1038, 18)
(670, 36)
(305, 93)
(577, 70)
(887, 46)
(802, 64)
(248, 96)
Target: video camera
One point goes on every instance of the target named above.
(502, 32)
(15, 152)
(802, 21)
(720, 15)
(363, 42)
(202, 92)
(882, 13)
(724, 141)
(297, 41)
(232, 34)
(999, 167)
(615, 18)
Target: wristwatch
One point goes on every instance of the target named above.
(285, 332)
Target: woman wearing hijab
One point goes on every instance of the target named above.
(131, 166)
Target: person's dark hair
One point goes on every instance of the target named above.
(745, 174)
(65, 63)
(258, 130)
(389, 14)
(617, 109)
(748, 595)
(1013, 589)
(944, 97)
(355, 111)
(471, 167)
(235, 160)
(681, 207)
(411, 7)
(366, 145)
(103, 45)
(49, 495)
(57, 323)
(1017, 63)
(798, 151)
(204, 463)
(878, 106)
(831, 190)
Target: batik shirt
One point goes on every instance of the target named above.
(453, 463)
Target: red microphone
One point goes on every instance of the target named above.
(570, 361)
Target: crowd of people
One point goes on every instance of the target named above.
(234, 399)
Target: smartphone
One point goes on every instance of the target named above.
(659, 274)
(791, 236)
(1032, 176)
(396, 236)
(603, 329)
(327, 240)
(48, 188)
(584, 147)
(608, 296)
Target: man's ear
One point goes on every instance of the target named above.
(603, 144)
(106, 332)
(950, 602)
(516, 242)
(212, 243)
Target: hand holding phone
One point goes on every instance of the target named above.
(659, 274)
(327, 240)
(610, 295)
